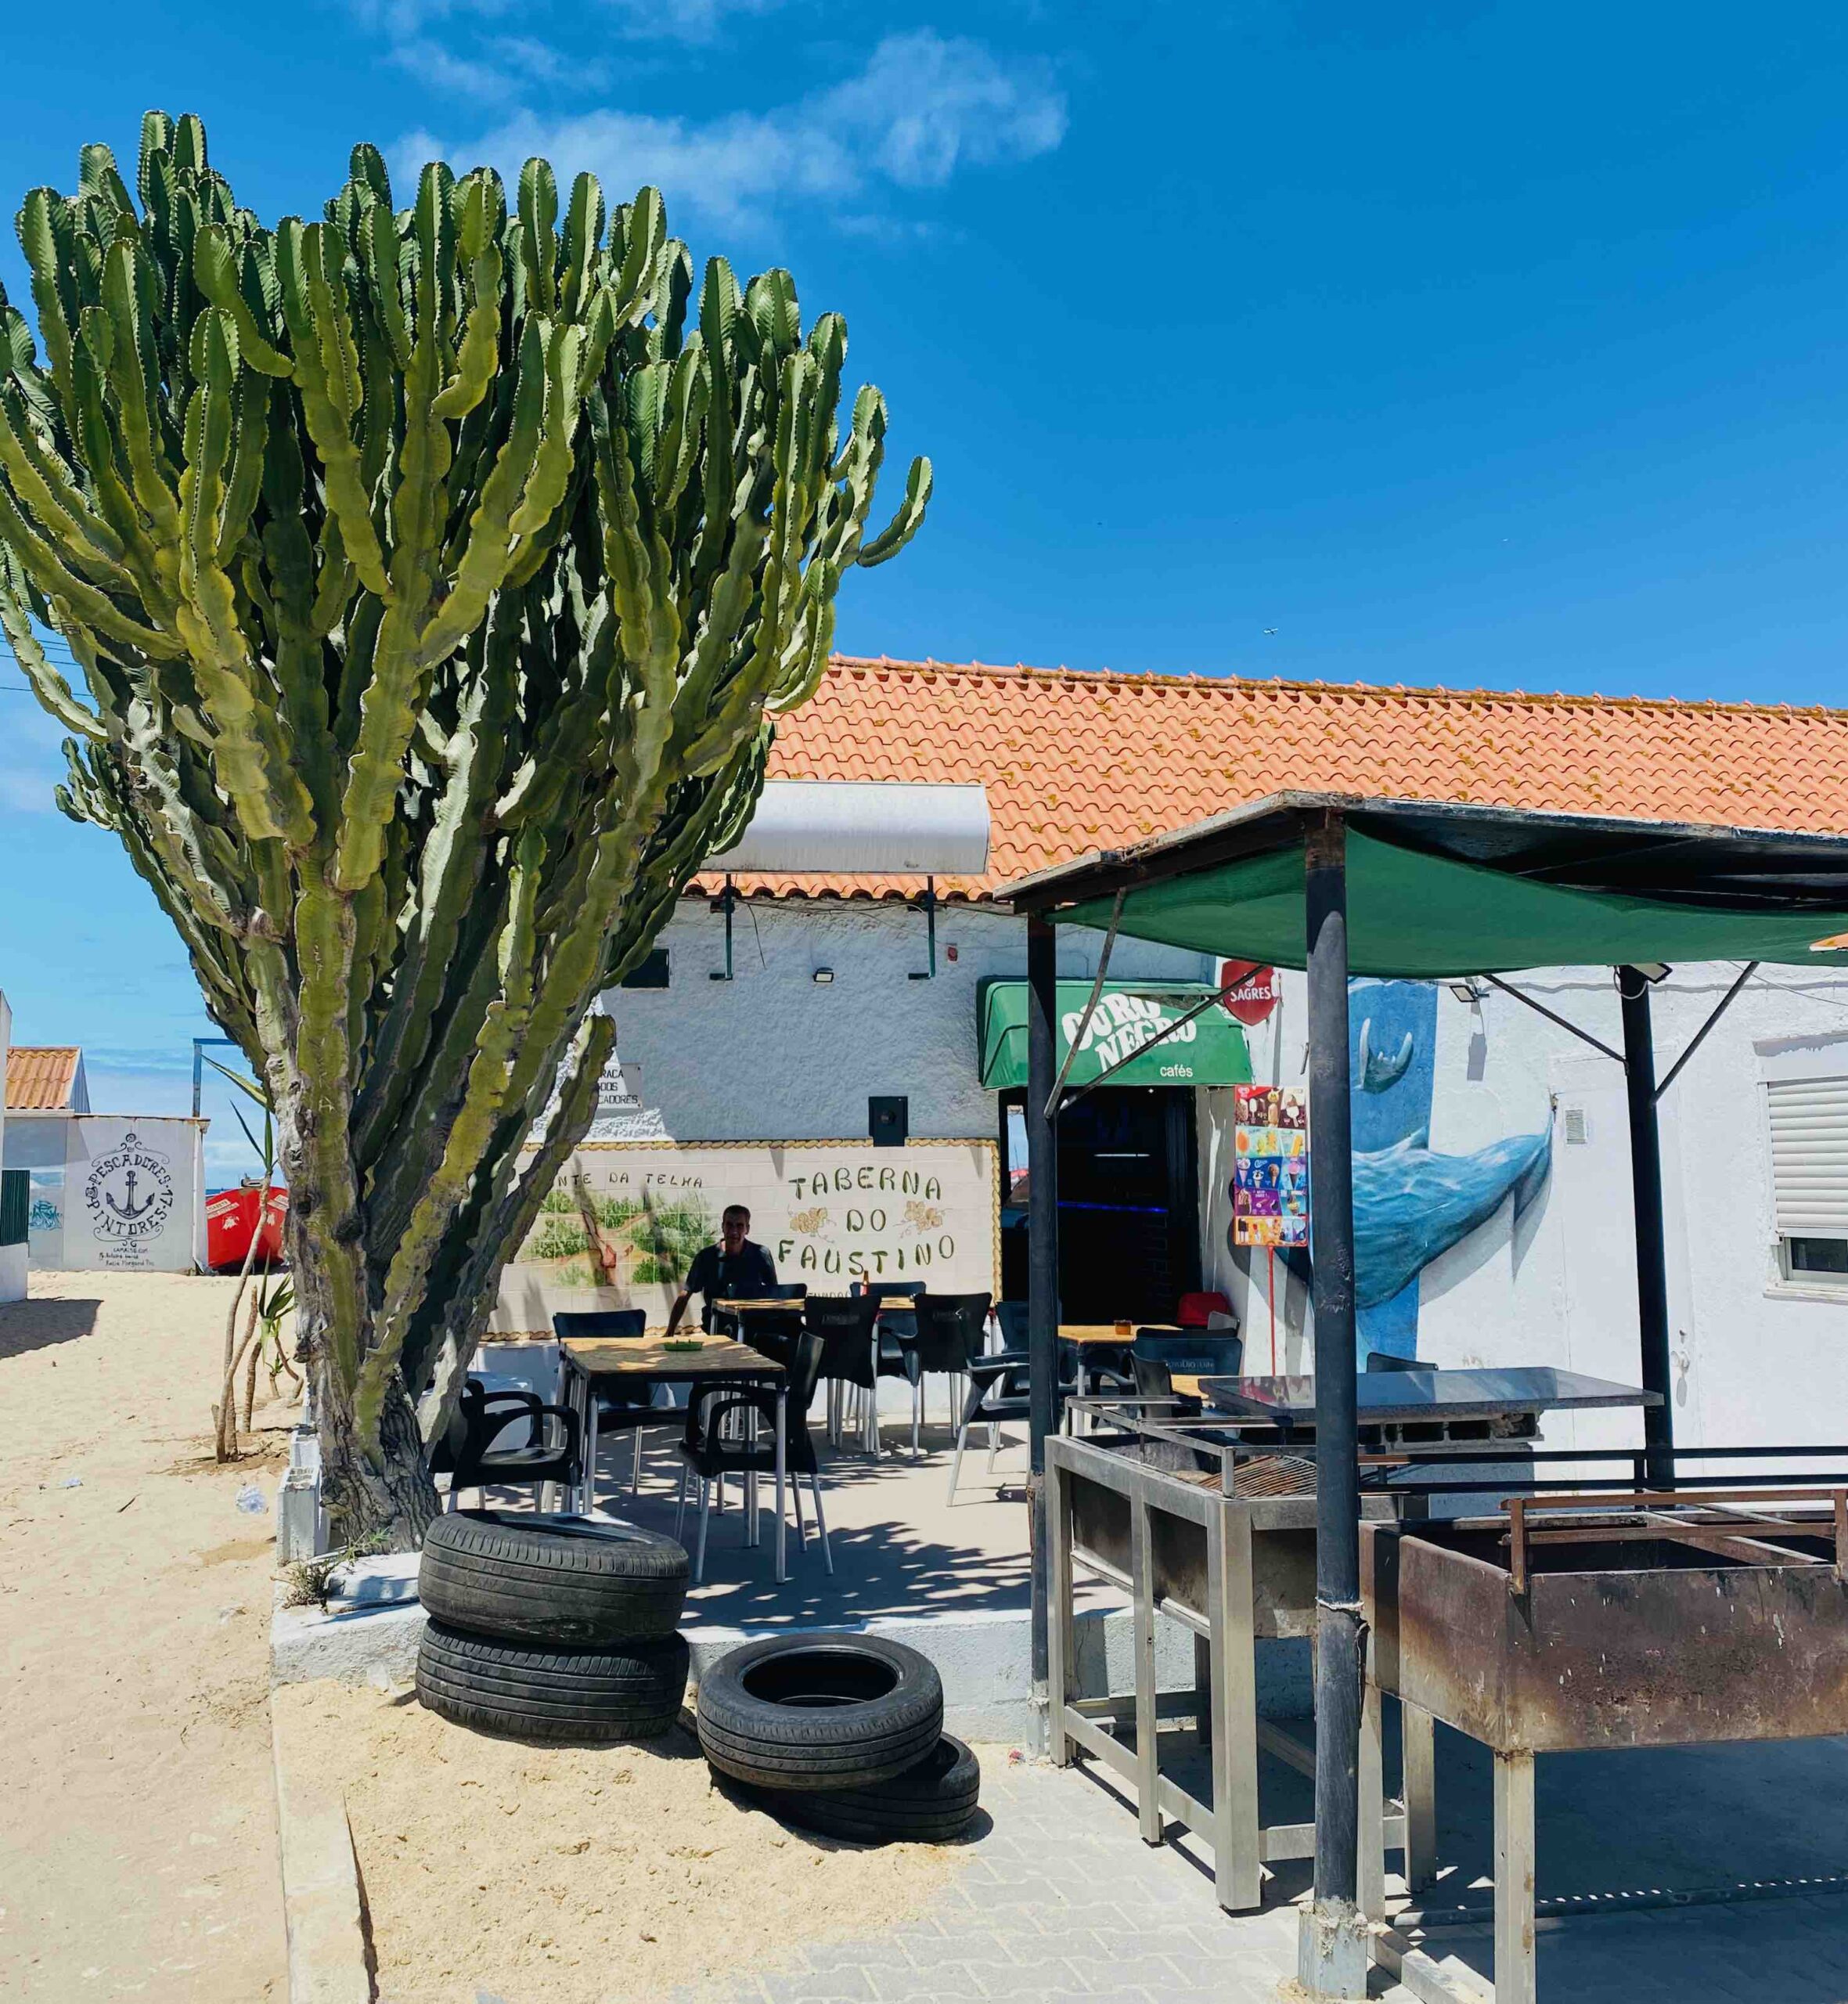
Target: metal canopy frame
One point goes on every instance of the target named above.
(1733, 870)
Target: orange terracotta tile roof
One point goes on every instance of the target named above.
(1076, 761)
(39, 1077)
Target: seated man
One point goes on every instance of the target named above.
(734, 1269)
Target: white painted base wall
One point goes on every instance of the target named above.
(12, 1273)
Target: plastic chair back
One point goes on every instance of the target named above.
(1154, 1380)
(844, 1323)
(1194, 1353)
(949, 1329)
(1195, 1308)
(600, 1325)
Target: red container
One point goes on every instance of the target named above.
(234, 1217)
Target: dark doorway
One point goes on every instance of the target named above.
(1129, 1209)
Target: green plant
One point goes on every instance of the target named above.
(435, 574)
(309, 1582)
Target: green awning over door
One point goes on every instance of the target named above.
(1208, 1051)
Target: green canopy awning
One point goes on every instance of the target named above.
(1208, 1051)
(1416, 912)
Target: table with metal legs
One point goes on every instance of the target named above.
(1230, 1556)
(718, 1362)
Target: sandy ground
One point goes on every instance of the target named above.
(138, 1855)
(577, 1874)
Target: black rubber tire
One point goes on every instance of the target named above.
(819, 1712)
(526, 1577)
(568, 1697)
(933, 1803)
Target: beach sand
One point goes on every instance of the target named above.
(579, 1875)
(137, 1853)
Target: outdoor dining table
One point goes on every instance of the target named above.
(717, 1361)
(1112, 1344)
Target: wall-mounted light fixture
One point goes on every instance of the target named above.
(822, 976)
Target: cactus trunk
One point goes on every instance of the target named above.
(436, 575)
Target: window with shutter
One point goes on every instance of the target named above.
(1809, 1135)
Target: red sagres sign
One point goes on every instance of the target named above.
(1247, 991)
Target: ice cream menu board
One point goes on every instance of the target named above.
(1270, 1167)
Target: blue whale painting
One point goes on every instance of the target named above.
(1410, 1204)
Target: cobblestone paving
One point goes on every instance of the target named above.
(1060, 1899)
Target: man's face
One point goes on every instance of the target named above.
(732, 1228)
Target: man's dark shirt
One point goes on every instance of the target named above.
(716, 1275)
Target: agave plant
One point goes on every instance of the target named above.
(435, 574)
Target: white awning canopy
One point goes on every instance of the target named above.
(861, 828)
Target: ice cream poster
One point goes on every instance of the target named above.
(1270, 1167)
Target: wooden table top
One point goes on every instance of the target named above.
(1095, 1332)
(728, 1307)
(639, 1357)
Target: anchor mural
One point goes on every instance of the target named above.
(1411, 1204)
(127, 1209)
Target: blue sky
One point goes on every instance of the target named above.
(1475, 345)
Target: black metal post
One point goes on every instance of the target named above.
(1651, 1261)
(1333, 1955)
(1042, 1260)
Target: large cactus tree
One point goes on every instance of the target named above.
(435, 574)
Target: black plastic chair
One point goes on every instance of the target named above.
(1194, 1353)
(707, 1454)
(1154, 1388)
(947, 1335)
(1098, 1375)
(855, 1351)
(896, 1323)
(468, 1452)
(999, 1391)
(772, 1331)
(620, 1409)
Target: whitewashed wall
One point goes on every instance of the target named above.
(771, 1055)
(1757, 1359)
(89, 1216)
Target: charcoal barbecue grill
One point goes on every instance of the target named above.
(1597, 1621)
(1212, 1523)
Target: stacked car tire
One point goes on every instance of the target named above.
(839, 1735)
(552, 1628)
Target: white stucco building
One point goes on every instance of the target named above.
(825, 1014)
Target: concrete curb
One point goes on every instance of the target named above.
(329, 1961)
(369, 1633)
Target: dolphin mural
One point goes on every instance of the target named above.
(1410, 1204)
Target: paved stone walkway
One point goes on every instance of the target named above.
(1060, 1899)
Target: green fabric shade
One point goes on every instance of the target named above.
(1420, 916)
(1209, 1051)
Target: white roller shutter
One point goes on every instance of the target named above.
(1808, 1122)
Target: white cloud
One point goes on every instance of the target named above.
(680, 21)
(502, 66)
(925, 105)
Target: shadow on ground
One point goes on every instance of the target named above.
(29, 1325)
(1615, 1830)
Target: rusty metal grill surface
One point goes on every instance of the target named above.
(1274, 1474)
